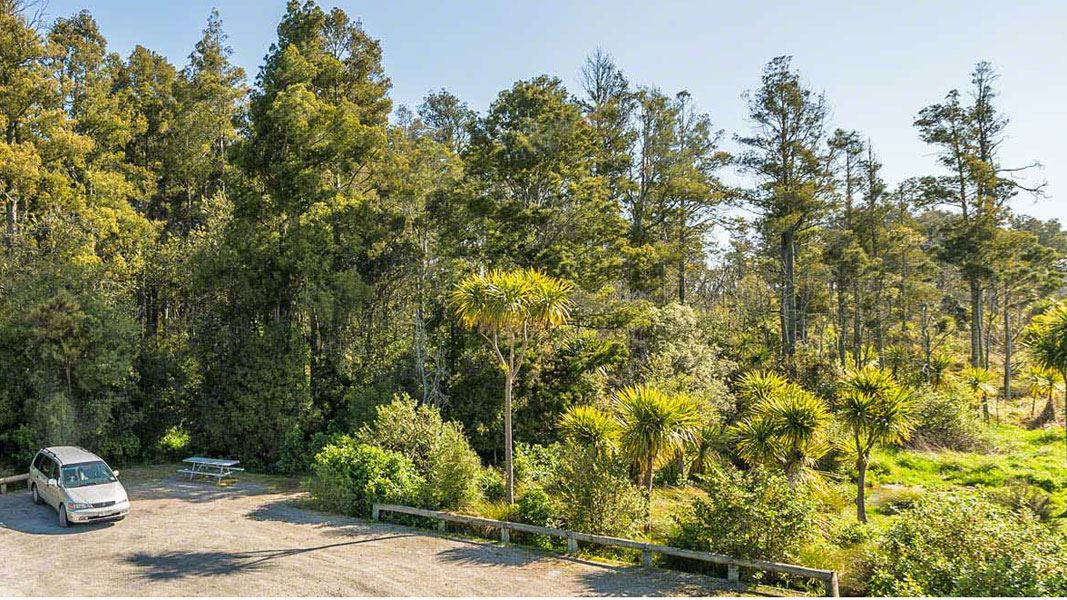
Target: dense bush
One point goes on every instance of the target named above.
(349, 477)
(595, 495)
(946, 420)
(748, 514)
(537, 464)
(962, 544)
(438, 450)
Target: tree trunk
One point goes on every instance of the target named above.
(1065, 413)
(789, 298)
(1007, 349)
(648, 492)
(842, 324)
(976, 322)
(861, 489)
(508, 466)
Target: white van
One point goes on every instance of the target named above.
(79, 485)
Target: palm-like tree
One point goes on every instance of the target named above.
(874, 410)
(1046, 338)
(787, 430)
(653, 426)
(980, 383)
(756, 387)
(1042, 382)
(510, 309)
(590, 428)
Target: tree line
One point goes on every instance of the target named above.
(193, 260)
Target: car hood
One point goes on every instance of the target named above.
(104, 492)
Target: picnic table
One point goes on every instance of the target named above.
(216, 468)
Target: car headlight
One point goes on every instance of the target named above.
(79, 506)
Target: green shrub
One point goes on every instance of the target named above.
(1022, 496)
(595, 495)
(438, 449)
(491, 482)
(946, 420)
(298, 451)
(962, 544)
(748, 514)
(349, 477)
(537, 464)
(174, 443)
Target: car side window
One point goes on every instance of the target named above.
(38, 463)
(49, 468)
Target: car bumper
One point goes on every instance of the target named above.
(93, 515)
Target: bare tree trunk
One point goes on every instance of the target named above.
(861, 489)
(1007, 348)
(508, 465)
(976, 322)
(789, 299)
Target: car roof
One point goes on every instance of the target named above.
(71, 454)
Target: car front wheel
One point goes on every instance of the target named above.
(36, 496)
(63, 522)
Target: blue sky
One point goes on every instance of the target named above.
(878, 62)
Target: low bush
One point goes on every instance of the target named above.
(174, 443)
(537, 464)
(349, 477)
(748, 514)
(1022, 496)
(963, 544)
(438, 450)
(595, 495)
(946, 420)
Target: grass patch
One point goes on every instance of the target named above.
(1018, 455)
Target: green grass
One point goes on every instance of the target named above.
(1018, 455)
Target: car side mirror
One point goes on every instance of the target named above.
(116, 472)
(52, 483)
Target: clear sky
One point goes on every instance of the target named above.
(878, 62)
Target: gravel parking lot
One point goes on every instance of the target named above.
(254, 539)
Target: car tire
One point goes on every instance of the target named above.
(36, 496)
(63, 522)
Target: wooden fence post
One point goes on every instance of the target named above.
(733, 574)
(572, 545)
(832, 587)
(441, 525)
(3, 488)
(646, 557)
(505, 535)
(374, 512)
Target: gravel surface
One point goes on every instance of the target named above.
(253, 539)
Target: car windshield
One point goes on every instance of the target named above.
(90, 473)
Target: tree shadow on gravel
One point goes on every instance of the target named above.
(485, 554)
(167, 566)
(645, 581)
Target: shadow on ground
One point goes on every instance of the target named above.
(166, 566)
(19, 513)
(643, 581)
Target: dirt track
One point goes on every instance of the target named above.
(254, 540)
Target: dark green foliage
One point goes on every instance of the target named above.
(962, 544)
(438, 450)
(349, 477)
(748, 514)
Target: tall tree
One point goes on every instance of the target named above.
(784, 154)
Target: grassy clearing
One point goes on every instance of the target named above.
(1018, 455)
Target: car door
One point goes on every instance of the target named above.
(50, 493)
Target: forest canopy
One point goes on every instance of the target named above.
(260, 267)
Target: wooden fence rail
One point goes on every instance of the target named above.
(733, 565)
(13, 479)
